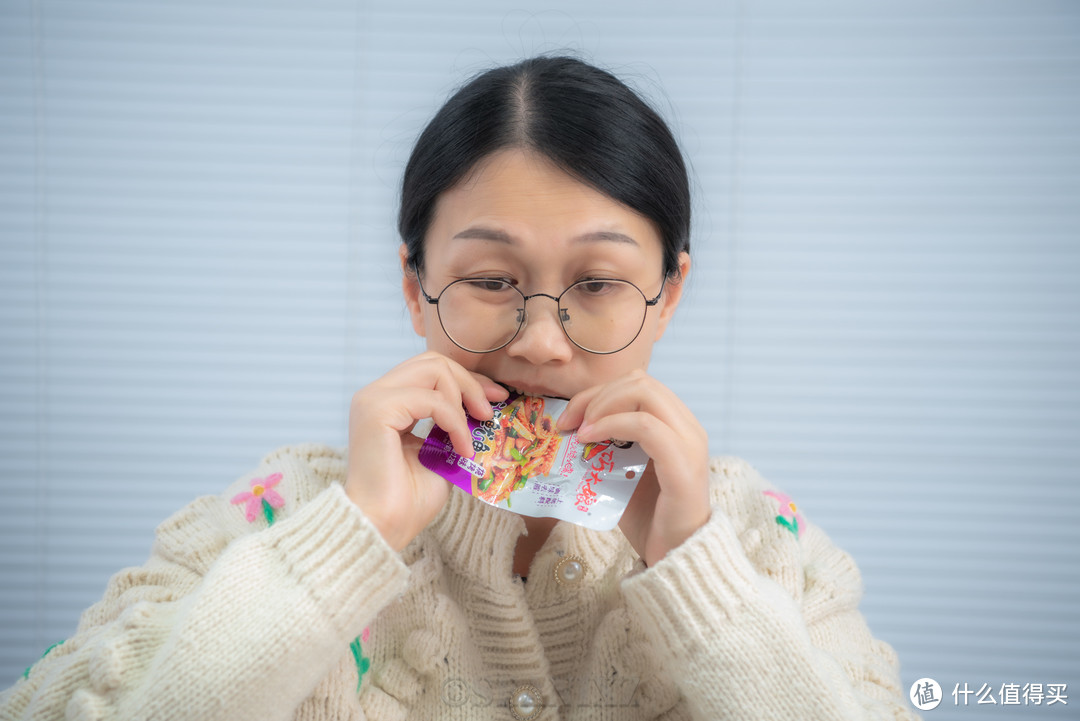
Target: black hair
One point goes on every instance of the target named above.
(584, 119)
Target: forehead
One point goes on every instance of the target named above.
(519, 198)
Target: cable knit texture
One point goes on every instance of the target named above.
(231, 619)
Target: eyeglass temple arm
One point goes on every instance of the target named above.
(428, 298)
(648, 303)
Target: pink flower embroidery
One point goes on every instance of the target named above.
(262, 495)
(789, 517)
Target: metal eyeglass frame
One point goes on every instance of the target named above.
(525, 315)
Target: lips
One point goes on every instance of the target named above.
(526, 389)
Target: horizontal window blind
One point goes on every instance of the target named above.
(198, 264)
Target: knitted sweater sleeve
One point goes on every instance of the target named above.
(779, 636)
(228, 619)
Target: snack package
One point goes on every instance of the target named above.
(521, 463)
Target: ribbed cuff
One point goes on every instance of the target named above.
(331, 548)
(697, 587)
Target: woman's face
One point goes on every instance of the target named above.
(517, 216)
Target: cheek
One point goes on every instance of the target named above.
(636, 356)
(605, 368)
(436, 340)
(431, 319)
(639, 353)
(433, 332)
(432, 327)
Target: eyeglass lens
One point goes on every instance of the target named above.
(602, 316)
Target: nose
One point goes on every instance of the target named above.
(541, 340)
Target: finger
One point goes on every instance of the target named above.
(574, 413)
(636, 392)
(434, 370)
(451, 418)
(410, 404)
(454, 406)
(445, 382)
(474, 390)
(666, 447)
(637, 426)
(494, 392)
(478, 401)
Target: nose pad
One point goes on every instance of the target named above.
(541, 338)
(522, 315)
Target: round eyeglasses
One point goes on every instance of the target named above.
(598, 315)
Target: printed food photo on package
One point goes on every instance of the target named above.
(523, 464)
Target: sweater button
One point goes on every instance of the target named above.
(570, 570)
(526, 703)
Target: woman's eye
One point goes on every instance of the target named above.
(491, 285)
(595, 287)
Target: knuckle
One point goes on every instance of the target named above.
(640, 381)
(448, 367)
(646, 423)
(642, 424)
(360, 398)
(434, 360)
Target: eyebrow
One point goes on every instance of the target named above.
(501, 236)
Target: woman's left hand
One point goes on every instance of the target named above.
(672, 499)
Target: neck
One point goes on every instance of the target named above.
(527, 546)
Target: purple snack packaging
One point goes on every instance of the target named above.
(521, 463)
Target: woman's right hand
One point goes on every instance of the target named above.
(385, 477)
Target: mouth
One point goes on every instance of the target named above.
(526, 389)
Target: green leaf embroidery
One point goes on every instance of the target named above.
(363, 664)
(268, 511)
(792, 525)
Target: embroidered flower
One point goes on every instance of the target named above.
(789, 517)
(262, 495)
(362, 662)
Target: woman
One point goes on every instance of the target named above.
(358, 584)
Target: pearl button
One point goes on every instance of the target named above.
(526, 703)
(570, 570)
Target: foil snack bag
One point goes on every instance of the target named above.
(521, 463)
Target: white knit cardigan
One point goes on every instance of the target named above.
(313, 616)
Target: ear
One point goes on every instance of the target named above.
(410, 287)
(673, 290)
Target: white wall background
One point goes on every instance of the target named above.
(197, 264)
